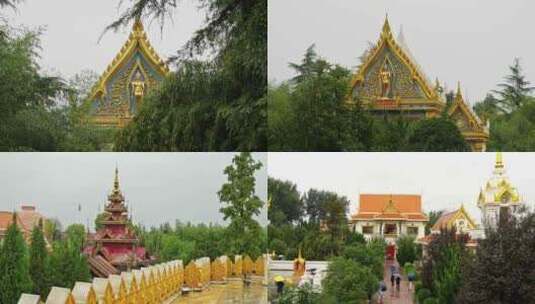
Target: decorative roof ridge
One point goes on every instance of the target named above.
(461, 103)
(137, 36)
(386, 37)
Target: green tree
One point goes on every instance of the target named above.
(514, 91)
(488, 108)
(319, 116)
(285, 205)
(433, 218)
(348, 281)
(241, 204)
(436, 134)
(76, 234)
(502, 269)
(39, 262)
(217, 104)
(67, 264)
(406, 250)
(14, 275)
(442, 267)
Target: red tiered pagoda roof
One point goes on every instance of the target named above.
(115, 246)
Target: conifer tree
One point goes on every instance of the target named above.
(515, 90)
(14, 274)
(38, 262)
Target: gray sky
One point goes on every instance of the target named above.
(69, 44)
(160, 187)
(472, 41)
(445, 180)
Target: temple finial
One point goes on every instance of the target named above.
(499, 161)
(459, 94)
(386, 26)
(138, 26)
(116, 181)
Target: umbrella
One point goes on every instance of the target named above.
(278, 278)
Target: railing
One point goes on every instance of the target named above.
(154, 284)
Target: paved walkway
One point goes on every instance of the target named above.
(230, 293)
(392, 296)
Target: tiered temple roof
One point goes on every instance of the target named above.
(115, 246)
(401, 207)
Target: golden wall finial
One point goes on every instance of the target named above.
(499, 161)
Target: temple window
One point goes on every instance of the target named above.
(390, 229)
(412, 230)
(367, 230)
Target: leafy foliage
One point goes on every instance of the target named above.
(318, 223)
(514, 90)
(218, 104)
(406, 250)
(502, 269)
(442, 268)
(32, 114)
(241, 204)
(436, 134)
(14, 277)
(286, 205)
(67, 264)
(313, 112)
(39, 263)
(348, 281)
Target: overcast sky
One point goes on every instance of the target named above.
(445, 180)
(472, 41)
(160, 187)
(72, 29)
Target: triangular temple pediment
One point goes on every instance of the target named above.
(389, 71)
(137, 44)
(134, 71)
(466, 120)
(462, 215)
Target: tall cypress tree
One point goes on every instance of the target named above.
(38, 262)
(14, 274)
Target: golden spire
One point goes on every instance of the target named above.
(499, 161)
(137, 28)
(116, 181)
(459, 94)
(386, 27)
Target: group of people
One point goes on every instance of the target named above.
(395, 282)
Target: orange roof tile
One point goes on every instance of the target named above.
(378, 206)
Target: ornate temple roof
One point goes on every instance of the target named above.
(448, 219)
(137, 40)
(459, 104)
(498, 190)
(401, 50)
(406, 207)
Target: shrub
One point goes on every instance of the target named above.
(430, 300)
(417, 286)
(423, 294)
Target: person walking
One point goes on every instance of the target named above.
(411, 277)
(398, 282)
(382, 290)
